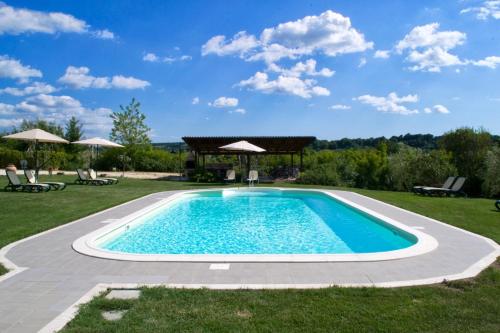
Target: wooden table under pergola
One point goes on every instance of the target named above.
(273, 145)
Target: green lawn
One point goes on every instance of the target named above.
(459, 306)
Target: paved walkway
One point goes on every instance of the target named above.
(56, 276)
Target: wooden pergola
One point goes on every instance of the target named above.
(274, 145)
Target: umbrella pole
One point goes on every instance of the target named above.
(37, 167)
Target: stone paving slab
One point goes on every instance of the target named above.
(56, 276)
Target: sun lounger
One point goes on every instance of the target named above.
(446, 185)
(93, 176)
(230, 176)
(30, 177)
(83, 178)
(456, 189)
(253, 176)
(15, 184)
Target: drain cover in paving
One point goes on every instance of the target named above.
(113, 315)
(123, 294)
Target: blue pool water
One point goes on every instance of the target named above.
(258, 222)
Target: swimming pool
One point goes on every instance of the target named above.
(257, 224)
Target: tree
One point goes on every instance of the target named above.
(50, 127)
(74, 132)
(130, 129)
(468, 147)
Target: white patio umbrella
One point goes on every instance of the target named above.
(98, 142)
(36, 136)
(244, 147)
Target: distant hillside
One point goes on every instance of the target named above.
(423, 141)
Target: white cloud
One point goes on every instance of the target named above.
(440, 108)
(6, 109)
(382, 54)
(59, 109)
(391, 104)
(308, 67)
(284, 84)
(329, 33)
(490, 62)
(340, 107)
(239, 110)
(432, 59)
(427, 110)
(195, 101)
(486, 10)
(10, 122)
(79, 78)
(35, 88)
(428, 48)
(13, 69)
(151, 57)
(362, 62)
(224, 102)
(104, 34)
(16, 21)
(240, 44)
(123, 82)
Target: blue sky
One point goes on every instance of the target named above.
(331, 69)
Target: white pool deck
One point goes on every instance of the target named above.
(48, 279)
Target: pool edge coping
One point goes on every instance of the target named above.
(86, 244)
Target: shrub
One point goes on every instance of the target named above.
(410, 167)
(491, 185)
(323, 174)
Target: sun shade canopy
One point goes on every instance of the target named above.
(243, 146)
(98, 142)
(271, 144)
(36, 135)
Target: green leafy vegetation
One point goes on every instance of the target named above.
(459, 306)
(470, 305)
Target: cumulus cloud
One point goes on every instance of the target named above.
(104, 34)
(10, 122)
(35, 88)
(428, 49)
(79, 78)
(340, 107)
(151, 57)
(195, 101)
(15, 21)
(490, 62)
(240, 44)
(440, 109)
(13, 69)
(59, 109)
(390, 104)
(306, 88)
(382, 54)
(308, 67)
(224, 102)
(487, 9)
(329, 33)
(6, 109)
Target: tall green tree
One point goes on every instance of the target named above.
(74, 132)
(130, 129)
(469, 148)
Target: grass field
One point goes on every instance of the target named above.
(466, 306)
